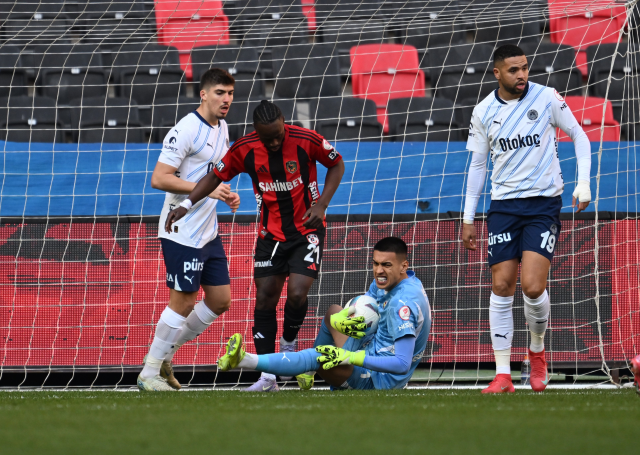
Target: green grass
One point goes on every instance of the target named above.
(427, 422)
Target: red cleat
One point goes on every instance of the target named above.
(635, 369)
(501, 384)
(539, 374)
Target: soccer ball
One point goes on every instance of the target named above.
(368, 307)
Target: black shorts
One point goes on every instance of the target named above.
(301, 256)
(188, 267)
(517, 225)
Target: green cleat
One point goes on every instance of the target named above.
(305, 380)
(235, 353)
(166, 371)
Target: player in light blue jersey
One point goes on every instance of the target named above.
(342, 355)
(516, 126)
(192, 250)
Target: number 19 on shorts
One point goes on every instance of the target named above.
(548, 241)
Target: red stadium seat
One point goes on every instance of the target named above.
(381, 72)
(309, 12)
(185, 24)
(583, 23)
(588, 111)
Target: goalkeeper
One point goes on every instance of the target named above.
(343, 356)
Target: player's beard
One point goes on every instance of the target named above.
(514, 88)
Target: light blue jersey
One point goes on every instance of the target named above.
(403, 311)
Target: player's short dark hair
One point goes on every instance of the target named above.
(216, 76)
(506, 51)
(266, 113)
(392, 245)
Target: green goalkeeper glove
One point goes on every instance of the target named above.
(333, 356)
(352, 327)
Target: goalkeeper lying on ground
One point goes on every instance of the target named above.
(342, 355)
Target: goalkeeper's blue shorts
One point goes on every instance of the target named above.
(364, 379)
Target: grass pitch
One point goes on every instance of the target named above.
(423, 422)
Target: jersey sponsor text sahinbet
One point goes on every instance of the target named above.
(193, 146)
(521, 137)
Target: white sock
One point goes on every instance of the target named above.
(536, 312)
(269, 376)
(284, 342)
(197, 322)
(250, 362)
(501, 324)
(167, 332)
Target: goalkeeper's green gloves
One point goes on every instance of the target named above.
(343, 323)
(333, 356)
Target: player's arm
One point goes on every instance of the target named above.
(478, 144)
(332, 160)
(564, 119)
(164, 178)
(399, 363)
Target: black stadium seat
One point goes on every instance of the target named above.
(166, 112)
(240, 116)
(341, 10)
(242, 64)
(306, 71)
(27, 119)
(345, 119)
(422, 119)
(553, 65)
(103, 119)
(114, 22)
(13, 79)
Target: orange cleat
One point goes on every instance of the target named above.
(635, 369)
(501, 384)
(539, 374)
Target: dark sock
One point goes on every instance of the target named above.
(293, 319)
(265, 328)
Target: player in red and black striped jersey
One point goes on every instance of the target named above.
(281, 161)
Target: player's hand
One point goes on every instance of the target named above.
(581, 196)
(315, 216)
(469, 237)
(221, 193)
(233, 201)
(332, 357)
(343, 323)
(174, 216)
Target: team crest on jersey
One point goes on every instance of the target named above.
(292, 167)
(326, 145)
(532, 114)
(312, 238)
(404, 313)
(560, 98)
(554, 229)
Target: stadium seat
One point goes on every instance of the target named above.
(418, 12)
(166, 112)
(422, 119)
(101, 119)
(306, 71)
(605, 59)
(72, 71)
(588, 112)
(343, 35)
(345, 119)
(585, 23)
(464, 71)
(440, 32)
(510, 30)
(309, 12)
(464, 111)
(342, 10)
(13, 79)
(115, 22)
(28, 119)
(242, 64)
(240, 116)
(37, 10)
(146, 72)
(381, 72)
(554, 65)
(185, 24)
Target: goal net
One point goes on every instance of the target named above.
(89, 89)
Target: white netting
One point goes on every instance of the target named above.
(88, 89)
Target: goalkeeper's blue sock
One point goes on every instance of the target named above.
(324, 336)
(289, 363)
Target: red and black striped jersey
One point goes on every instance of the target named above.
(285, 182)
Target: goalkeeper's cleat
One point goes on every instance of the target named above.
(501, 384)
(234, 355)
(635, 368)
(305, 380)
(264, 384)
(539, 375)
(288, 348)
(166, 371)
(154, 384)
